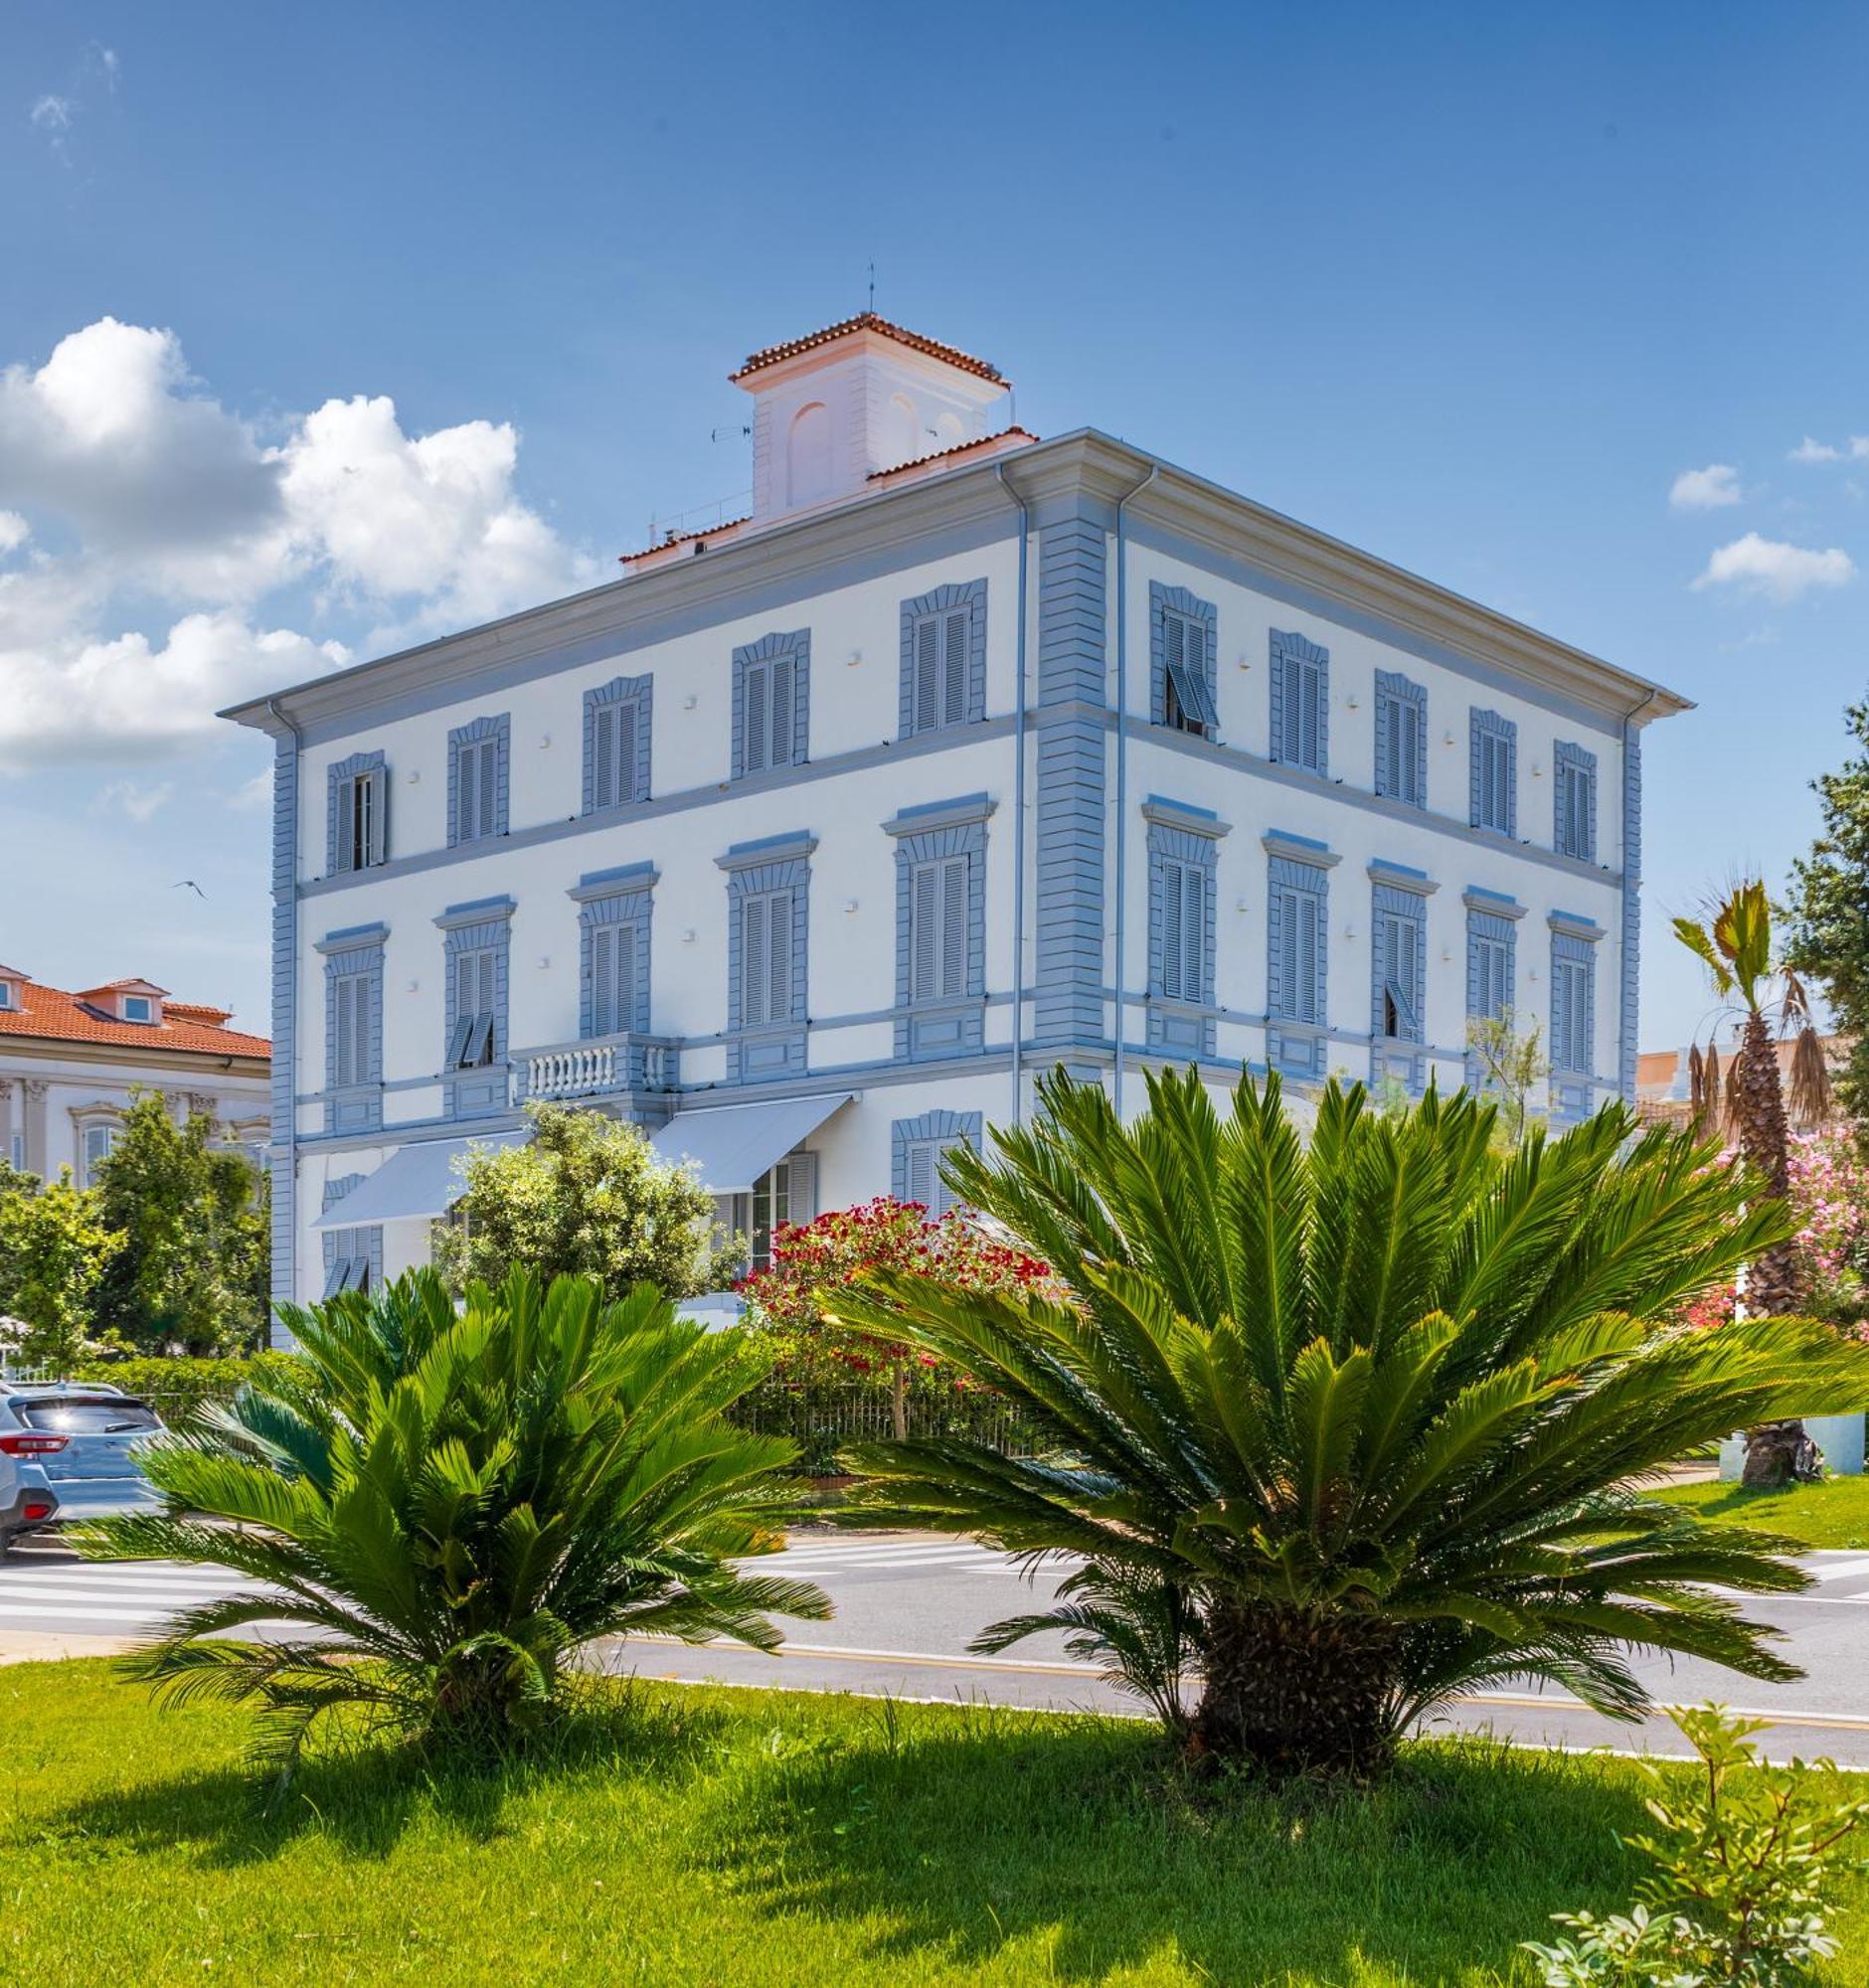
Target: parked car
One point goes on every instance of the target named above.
(67, 1450)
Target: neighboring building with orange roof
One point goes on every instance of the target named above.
(68, 1062)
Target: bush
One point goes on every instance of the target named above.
(1740, 1884)
(451, 1505)
(179, 1389)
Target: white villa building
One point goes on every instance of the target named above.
(811, 840)
(69, 1063)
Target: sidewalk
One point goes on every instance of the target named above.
(36, 1646)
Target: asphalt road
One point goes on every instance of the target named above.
(907, 1607)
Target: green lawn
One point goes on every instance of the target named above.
(1835, 1512)
(750, 1837)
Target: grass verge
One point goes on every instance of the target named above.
(676, 1835)
(1835, 1512)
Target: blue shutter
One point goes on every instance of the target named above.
(779, 943)
(784, 687)
(926, 692)
(955, 926)
(755, 719)
(955, 646)
(752, 961)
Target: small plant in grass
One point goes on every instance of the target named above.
(1744, 1875)
(446, 1507)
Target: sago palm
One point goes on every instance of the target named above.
(1345, 1426)
(446, 1507)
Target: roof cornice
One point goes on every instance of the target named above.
(1084, 466)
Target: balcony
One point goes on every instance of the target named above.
(601, 1067)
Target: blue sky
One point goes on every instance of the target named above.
(327, 326)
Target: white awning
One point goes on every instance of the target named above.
(415, 1181)
(734, 1144)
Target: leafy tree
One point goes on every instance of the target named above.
(54, 1249)
(1735, 945)
(1363, 1422)
(585, 1197)
(794, 1299)
(1512, 1066)
(450, 1505)
(1828, 939)
(192, 1272)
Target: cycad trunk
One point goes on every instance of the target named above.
(1756, 1102)
(1297, 1690)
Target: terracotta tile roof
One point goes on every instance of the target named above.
(50, 1014)
(959, 449)
(686, 538)
(868, 321)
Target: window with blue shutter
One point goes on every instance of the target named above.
(771, 698)
(357, 815)
(944, 658)
(1398, 993)
(1493, 772)
(1297, 957)
(1183, 856)
(477, 780)
(1300, 691)
(1573, 802)
(1573, 1010)
(353, 1258)
(941, 927)
(768, 924)
(473, 1057)
(919, 1146)
(1182, 641)
(353, 1028)
(1400, 738)
(616, 743)
(614, 921)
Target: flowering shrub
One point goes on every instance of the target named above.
(809, 1263)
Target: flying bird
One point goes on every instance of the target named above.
(189, 884)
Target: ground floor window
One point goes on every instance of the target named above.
(784, 1194)
(98, 1143)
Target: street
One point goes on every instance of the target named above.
(907, 1607)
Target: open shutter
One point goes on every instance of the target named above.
(457, 1041)
(1173, 656)
(784, 709)
(377, 802)
(955, 647)
(753, 963)
(779, 944)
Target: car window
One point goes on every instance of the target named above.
(87, 1418)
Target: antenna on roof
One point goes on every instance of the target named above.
(872, 283)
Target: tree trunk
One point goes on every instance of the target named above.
(1776, 1452)
(1295, 1690)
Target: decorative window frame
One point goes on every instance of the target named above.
(608, 898)
(475, 733)
(637, 690)
(1573, 942)
(1399, 891)
(1184, 1024)
(796, 645)
(1492, 919)
(1293, 1046)
(929, 1137)
(1295, 654)
(1568, 838)
(482, 925)
(1492, 725)
(355, 952)
(944, 600)
(927, 1031)
(773, 863)
(1164, 600)
(101, 1113)
(350, 1247)
(1392, 692)
(360, 765)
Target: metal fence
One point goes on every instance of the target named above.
(823, 1421)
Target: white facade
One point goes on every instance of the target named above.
(941, 836)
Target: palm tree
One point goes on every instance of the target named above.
(1734, 943)
(1349, 1426)
(464, 1501)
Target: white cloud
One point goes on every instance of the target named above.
(131, 699)
(1771, 568)
(51, 113)
(1810, 451)
(168, 493)
(1705, 489)
(139, 803)
(256, 794)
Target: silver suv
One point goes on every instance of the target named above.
(67, 1450)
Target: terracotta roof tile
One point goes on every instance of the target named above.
(959, 449)
(50, 1014)
(686, 538)
(772, 355)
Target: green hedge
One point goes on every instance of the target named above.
(175, 1389)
